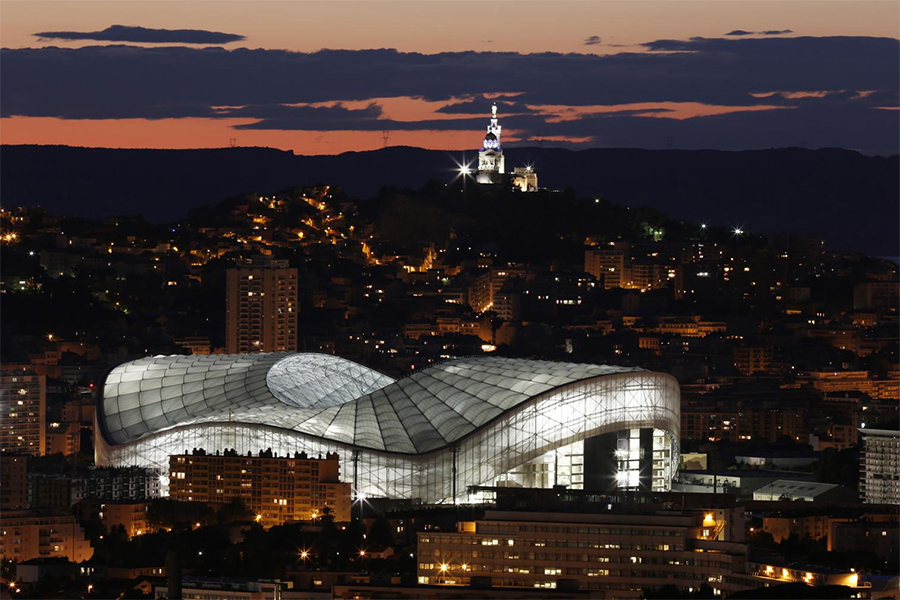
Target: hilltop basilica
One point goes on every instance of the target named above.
(491, 166)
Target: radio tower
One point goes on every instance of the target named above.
(232, 142)
(385, 136)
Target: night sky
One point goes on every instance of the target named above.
(321, 78)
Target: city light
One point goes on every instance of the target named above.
(738, 231)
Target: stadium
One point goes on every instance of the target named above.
(432, 435)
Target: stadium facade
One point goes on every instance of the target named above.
(481, 421)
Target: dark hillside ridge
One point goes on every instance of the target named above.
(851, 200)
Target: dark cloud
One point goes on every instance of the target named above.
(741, 32)
(481, 105)
(593, 40)
(144, 35)
(318, 118)
(275, 88)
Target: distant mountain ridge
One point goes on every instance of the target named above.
(851, 200)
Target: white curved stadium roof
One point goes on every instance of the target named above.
(328, 397)
(430, 435)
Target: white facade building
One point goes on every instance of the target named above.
(430, 435)
(880, 469)
(490, 158)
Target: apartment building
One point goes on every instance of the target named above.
(879, 477)
(23, 406)
(261, 307)
(277, 489)
(25, 535)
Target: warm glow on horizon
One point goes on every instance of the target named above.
(216, 133)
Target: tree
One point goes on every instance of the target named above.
(235, 510)
(380, 533)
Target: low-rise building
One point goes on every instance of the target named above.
(619, 553)
(814, 575)
(130, 514)
(206, 588)
(803, 491)
(13, 482)
(741, 482)
(880, 538)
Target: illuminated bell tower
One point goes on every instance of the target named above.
(490, 157)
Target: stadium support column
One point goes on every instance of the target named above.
(455, 470)
(358, 500)
(355, 458)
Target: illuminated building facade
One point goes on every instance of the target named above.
(430, 435)
(23, 407)
(525, 179)
(606, 263)
(880, 466)
(261, 307)
(277, 488)
(490, 158)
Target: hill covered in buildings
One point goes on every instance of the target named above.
(843, 196)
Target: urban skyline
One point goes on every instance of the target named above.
(366, 300)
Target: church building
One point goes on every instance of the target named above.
(490, 157)
(491, 166)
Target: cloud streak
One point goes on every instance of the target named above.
(144, 35)
(743, 32)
